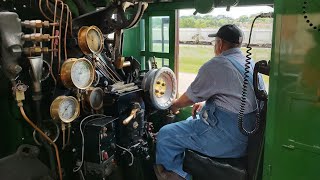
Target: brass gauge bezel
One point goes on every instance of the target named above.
(88, 97)
(83, 39)
(55, 105)
(66, 69)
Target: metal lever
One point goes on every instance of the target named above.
(132, 115)
(121, 63)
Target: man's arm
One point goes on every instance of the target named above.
(181, 102)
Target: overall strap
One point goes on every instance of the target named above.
(241, 70)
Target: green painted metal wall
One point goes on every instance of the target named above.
(292, 148)
(138, 40)
(132, 43)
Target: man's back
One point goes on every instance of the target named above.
(219, 80)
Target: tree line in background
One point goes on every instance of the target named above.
(209, 21)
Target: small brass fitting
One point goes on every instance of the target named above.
(38, 37)
(36, 24)
(36, 50)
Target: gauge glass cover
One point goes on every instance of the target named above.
(67, 109)
(81, 74)
(94, 40)
(96, 98)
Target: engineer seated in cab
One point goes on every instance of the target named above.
(212, 130)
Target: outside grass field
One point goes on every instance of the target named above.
(191, 57)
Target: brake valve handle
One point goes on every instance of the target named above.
(135, 109)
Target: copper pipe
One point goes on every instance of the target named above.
(52, 42)
(60, 26)
(71, 23)
(40, 7)
(47, 3)
(43, 135)
(65, 34)
(63, 129)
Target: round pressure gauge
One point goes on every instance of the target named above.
(94, 97)
(77, 73)
(65, 108)
(90, 40)
(97, 77)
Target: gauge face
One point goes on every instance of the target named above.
(96, 98)
(65, 108)
(94, 40)
(82, 74)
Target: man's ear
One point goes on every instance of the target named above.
(220, 45)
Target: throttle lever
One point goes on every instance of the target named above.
(135, 108)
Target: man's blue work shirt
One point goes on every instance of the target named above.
(220, 81)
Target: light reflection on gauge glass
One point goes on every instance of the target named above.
(94, 40)
(81, 74)
(67, 109)
(96, 98)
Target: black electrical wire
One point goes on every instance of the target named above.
(245, 89)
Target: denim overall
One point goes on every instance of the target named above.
(214, 133)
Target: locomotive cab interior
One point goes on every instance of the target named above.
(87, 84)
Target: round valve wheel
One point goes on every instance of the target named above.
(162, 87)
(147, 79)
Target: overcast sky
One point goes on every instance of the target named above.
(235, 12)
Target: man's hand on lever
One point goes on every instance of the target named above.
(181, 102)
(174, 109)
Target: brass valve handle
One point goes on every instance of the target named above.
(132, 115)
(121, 63)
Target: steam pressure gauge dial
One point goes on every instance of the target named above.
(65, 108)
(77, 73)
(94, 97)
(90, 40)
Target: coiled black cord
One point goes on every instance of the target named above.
(244, 91)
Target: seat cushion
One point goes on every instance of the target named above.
(202, 167)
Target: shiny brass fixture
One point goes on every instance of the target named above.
(160, 87)
(90, 40)
(121, 63)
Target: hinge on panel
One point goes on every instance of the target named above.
(288, 146)
(269, 170)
